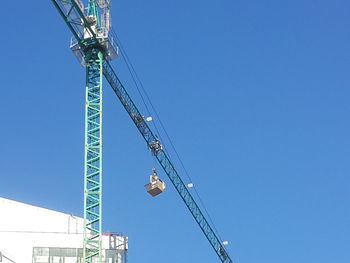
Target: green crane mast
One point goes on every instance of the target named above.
(93, 59)
(91, 45)
(94, 48)
(93, 156)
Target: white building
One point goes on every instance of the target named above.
(30, 234)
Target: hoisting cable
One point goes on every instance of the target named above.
(138, 83)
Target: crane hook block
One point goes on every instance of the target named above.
(155, 186)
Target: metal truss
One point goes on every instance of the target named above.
(93, 158)
(73, 15)
(157, 150)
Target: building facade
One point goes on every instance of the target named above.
(30, 234)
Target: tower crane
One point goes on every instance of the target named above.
(95, 48)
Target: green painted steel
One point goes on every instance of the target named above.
(92, 247)
(76, 20)
(157, 150)
(93, 10)
(93, 158)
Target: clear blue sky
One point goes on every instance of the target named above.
(255, 95)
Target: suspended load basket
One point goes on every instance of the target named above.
(156, 186)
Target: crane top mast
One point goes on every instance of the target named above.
(97, 28)
(98, 12)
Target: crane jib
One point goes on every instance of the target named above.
(164, 161)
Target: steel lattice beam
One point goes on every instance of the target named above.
(165, 162)
(93, 157)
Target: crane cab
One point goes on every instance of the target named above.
(155, 186)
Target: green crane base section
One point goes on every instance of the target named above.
(93, 158)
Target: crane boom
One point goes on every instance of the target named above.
(164, 161)
(72, 14)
